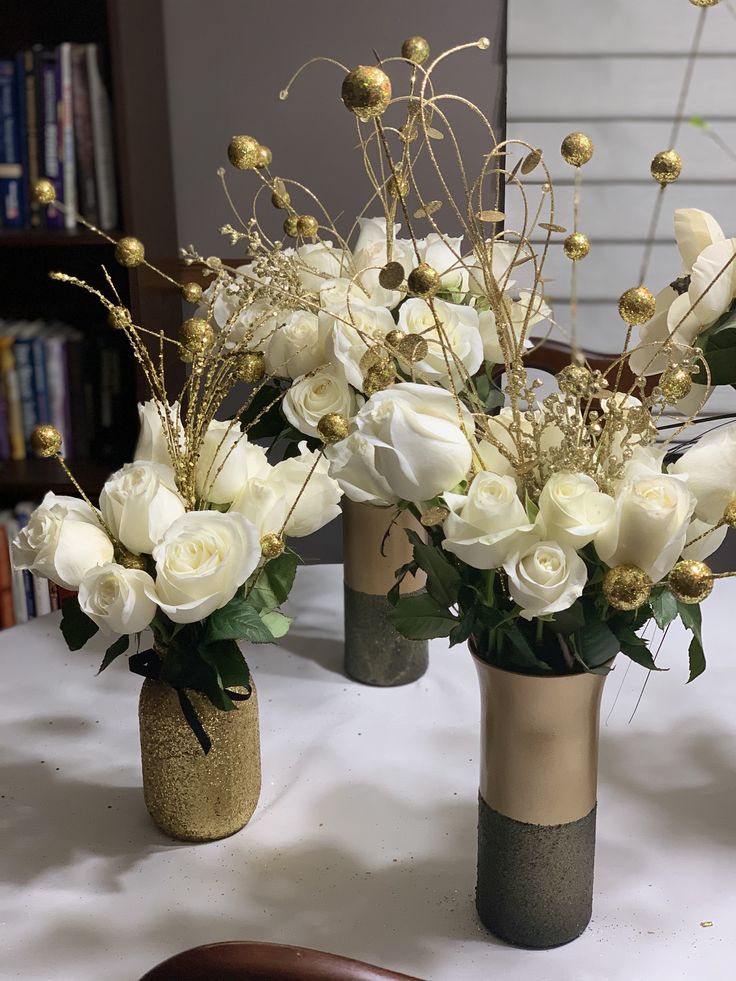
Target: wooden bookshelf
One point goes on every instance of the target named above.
(130, 33)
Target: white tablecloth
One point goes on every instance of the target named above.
(364, 839)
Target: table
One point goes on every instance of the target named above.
(364, 839)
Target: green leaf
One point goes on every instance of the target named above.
(230, 666)
(272, 422)
(276, 623)
(462, 630)
(698, 122)
(421, 617)
(76, 626)
(568, 621)
(239, 620)
(638, 651)
(697, 659)
(274, 581)
(443, 579)
(114, 650)
(596, 642)
(531, 510)
(692, 619)
(718, 344)
(664, 607)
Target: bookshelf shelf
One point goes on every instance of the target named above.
(45, 237)
(31, 478)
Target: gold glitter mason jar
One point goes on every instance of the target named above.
(190, 796)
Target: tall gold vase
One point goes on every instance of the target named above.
(192, 796)
(375, 653)
(537, 804)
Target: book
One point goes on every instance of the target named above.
(7, 611)
(83, 139)
(31, 134)
(81, 402)
(40, 385)
(50, 165)
(22, 512)
(66, 133)
(20, 607)
(55, 342)
(12, 396)
(4, 421)
(102, 141)
(12, 212)
(23, 351)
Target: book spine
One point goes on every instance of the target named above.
(50, 135)
(12, 400)
(26, 577)
(7, 611)
(22, 125)
(66, 134)
(79, 402)
(86, 189)
(20, 606)
(58, 390)
(102, 141)
(31, 136)
(41, 596)
(11, 167)
(43, 408)
(24, 367)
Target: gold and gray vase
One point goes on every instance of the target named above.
(375, 653)
(537, 804)
(192, 796)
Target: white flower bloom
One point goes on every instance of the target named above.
(313, 396)
(298, 346)
(712, 284)
(647, 358)
(139, 502)
(710, 469)
(117, 599)
(317, 502)
(711, 541)
(444, 254)
(62, 541)
(484, 526)
(337, 294)
(226, 461)
(317, 262)
(152, 443)
(371, 254)
(348, 343)
(204, 558)
(419, 444)
(353, 465)
(695, 230)
(503, 254)
(458, 341)
(572, 510)
(523, 314)
(545, 577)
(262, 501)
(649, 525)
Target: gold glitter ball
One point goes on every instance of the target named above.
(333, 427)
(394, 337)
(192, 292)
(44, 191)
(690, 581)
(195, 336)
(391, 275)
(413, 348)
(729, 515)
(264, 156)
(704, 3)
(576, 149)
(576, 246)
(626, 587)
(424, 281)
(129, 251)
(575, 379)
(366, 91)
(46, 440)
(675, 383)
(290, 226)
(398, 185)
(434, 516)
(272, 545)
(128, 560)
(242, 152)
(307, 226)
(666, 167)
(119, 317)
(250, 366)
(636, 305)
(415, 49)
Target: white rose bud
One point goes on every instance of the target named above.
(152, 444)
(419, 446)
(317, 262)
(204, 558)
(484, 527)
(710, 469)
(460, 334)
(262, 501)
(62, 541)
(371, 254)
(695, 230)
(353, 464)
(313, 396)
(226, 461)
(317, 502)
(649, 525)
(117, 599)
(572, 510)
(443, 253)
(298, 346)
(348, 343)
(139, 502)
(545, 577)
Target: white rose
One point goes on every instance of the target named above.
(313, 396)
(204, 558)
(502, 256)
(226, 461)
(262, 501)
(695, 230)
(501, 430)
(152, 444)
(371, 254)
(649, 525)
(712, 540)
(62, 541)
(647, 357)
(545, 577)
(139, 502)
(318, 498)
(443, 253)
(523, 314)
(117, 599)
(298, 346)
(420, 447)
(720, 291)
(353, 465)
(337, 294)
(572, 510)
(458, 341)
(483, 527)
(317, 262)
(348, 342)
(710, 469)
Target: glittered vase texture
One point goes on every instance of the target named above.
(537, 804)
(375, 653)
(192, 796)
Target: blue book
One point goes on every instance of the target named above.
(51, 167)
(12, 210)
(23, 350)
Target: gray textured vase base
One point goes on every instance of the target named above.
(375, 653)
(535, 882)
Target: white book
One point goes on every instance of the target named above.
(67, 135)
(102, 142)
(41, 595)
